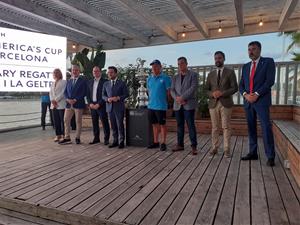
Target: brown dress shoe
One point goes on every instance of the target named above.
(194, 151)
(213, 151)
(178, 148)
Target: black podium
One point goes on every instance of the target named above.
(138, 129)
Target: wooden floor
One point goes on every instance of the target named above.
(84, 184)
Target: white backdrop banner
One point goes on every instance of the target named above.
(27, 60)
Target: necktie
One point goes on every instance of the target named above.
(219, 77)
(252, 77)
(74, 81)
(113, 84)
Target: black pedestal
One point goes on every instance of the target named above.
(138, 128)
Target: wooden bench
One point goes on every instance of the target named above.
(287, 140)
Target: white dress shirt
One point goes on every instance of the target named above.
(95, 86)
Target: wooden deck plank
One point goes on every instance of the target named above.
(140, 191)
(105, 179)
(49, 188)
(100, 200)
(164, 201)
(164, 176)
(242, 200)
(259, 205)
(23, 217)
(97, 189)
(94, 185)
(224, 214)
(290, 201)
(155, 183)
(137, 215)
(78, 171)
(191, 210)
(275, 205)
(290, 177)
(210, 205)
(63, 194)
(55, 170)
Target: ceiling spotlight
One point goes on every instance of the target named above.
(183, 34)
(260, 23)
(220, 29)
(74, 46)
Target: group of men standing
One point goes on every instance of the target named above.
(255, 86)
(107, 97)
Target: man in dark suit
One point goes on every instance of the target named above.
(114, 94)
(75, 92)
(258, 77)
(221, 84)
(97, 106)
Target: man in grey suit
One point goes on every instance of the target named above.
(184, 91)
(114, 94)
(221, 84)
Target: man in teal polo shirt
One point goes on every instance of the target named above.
(158, 85)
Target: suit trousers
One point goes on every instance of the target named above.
(102, 114)
(220, 116)
(183, 115)
(117, 125)
(69, 112)
(263, 113)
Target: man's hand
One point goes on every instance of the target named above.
(92, 106)
(110, 100)
(180, 100)
(251, 98)
(96, 106)
(217, 94)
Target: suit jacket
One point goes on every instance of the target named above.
(120, 89)
(100, 100)
(228, 85)
(264, 79)
(187, 90)
(57, 93)
(77, 92)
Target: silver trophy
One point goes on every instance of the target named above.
(142, 97)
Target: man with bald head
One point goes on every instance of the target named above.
(97, 106)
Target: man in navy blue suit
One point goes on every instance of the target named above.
(258, 77)
(75, 92)
(114, 94)
(97, 106)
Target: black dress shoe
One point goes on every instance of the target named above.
(163, 147)
(270, 162)
(154, 145)
(65, 141)
(77, 140)
(121, 145)
(113, 145)
(106, 142)
(94, 142)
(250, 157)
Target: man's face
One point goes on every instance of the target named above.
(219, 60)
(96, 72)
(253, 52)
(111, 74)
(182, 65)
(156, 69)
(75, 71)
